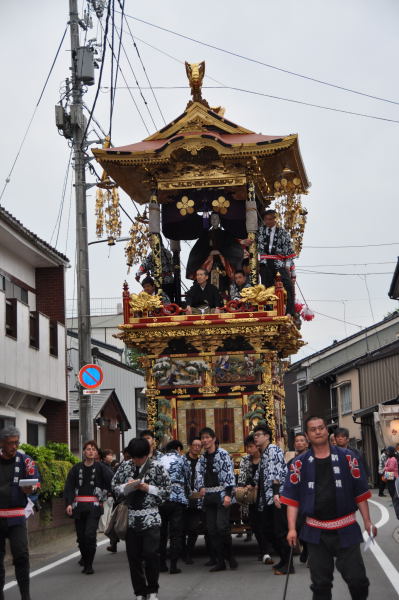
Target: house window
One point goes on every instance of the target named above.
(303, 402)
(11, 318)
(6, 422)
(35, 433)
(53, 338)
(34, 330)
(345, 393)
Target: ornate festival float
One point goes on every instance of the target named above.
(219, 369)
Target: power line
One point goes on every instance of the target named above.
(144, 69)
(101, 68)
(389, 262)
(138, 86)
(292, 100)
(353, 246)
(8, 178)
(263, 64)
(61, 207)
(124, 79)
(310, 272)
(337, 319)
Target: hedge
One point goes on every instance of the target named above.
(54, 462)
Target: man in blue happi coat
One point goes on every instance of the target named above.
(326, 485)
(15, 469)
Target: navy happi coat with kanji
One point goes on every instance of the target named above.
(351, 488)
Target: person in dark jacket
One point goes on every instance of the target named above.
(86, 488)
(327, 485)
(14, 502)
(203, 296)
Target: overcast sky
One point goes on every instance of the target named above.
(350, 160)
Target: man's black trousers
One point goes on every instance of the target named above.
(172, 517)
(192, 523)
(217, 520)
(86, 531)
(273, 531)
(18, 537)
(349, 563)
(142, 553)
(268, 272)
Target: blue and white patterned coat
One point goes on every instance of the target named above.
(282, 247)
(179, 472)
(272, 467)
(159, 489)
(222, 466)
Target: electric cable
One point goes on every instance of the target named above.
(8, 178)
(130, 93)
(355, 246)
(111, 100)
(273, 97)
(310, 272)
(142, 64)
(117, 64)
(61, 207)
(292, 100)
(138, 86)
(263, 64)
(389, 262)
(101, 70)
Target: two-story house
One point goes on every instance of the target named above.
(33, 382)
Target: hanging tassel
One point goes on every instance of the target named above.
(307, 314)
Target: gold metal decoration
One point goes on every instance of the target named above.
(220, 205)
(195, 73)
(155, 242)
(137, 247)
(144, 303)
(291, 213)
(259, 294)
(185, 206)
(107, 205)
(152, 411)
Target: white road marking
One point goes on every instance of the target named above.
(390, 571)
(52, 565)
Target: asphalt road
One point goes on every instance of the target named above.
(252, 579)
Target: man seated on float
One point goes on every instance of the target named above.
(240, 282)
(147, 268)
(149, 287)
(276, 256)
(203, 297)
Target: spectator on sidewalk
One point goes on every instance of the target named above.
(15, 466)
(391, 471)
(381, 480)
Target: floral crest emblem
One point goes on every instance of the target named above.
(220, 205)
(185, 206)
(295, 471)
(353, 465)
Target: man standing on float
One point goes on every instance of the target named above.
(276, 255)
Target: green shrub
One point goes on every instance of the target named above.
(54, 462)
(62, 452)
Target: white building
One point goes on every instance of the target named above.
(33, 391)
(127, 383)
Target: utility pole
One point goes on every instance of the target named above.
(77, 131)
